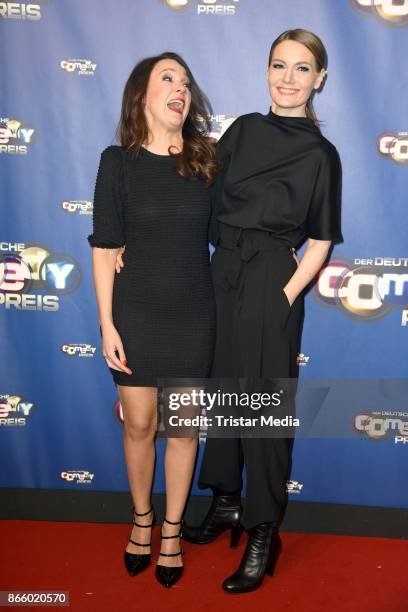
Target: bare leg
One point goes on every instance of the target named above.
(179, 464)
(139, 406)
(180, 457)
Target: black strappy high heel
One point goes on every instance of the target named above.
(167, 576)
(136, 563)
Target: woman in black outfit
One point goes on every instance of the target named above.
(280, 185)
(157, 317)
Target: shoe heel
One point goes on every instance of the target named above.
(273, 556)
(136, 563)
(236, 532)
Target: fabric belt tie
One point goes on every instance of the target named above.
(249, 277)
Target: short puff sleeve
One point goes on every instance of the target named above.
(108, 229)
(324, 215)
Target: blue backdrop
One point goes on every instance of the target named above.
(63, 68)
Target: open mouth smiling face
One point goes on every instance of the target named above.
(168, 95)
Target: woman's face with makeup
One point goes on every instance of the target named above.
(168, 96)
(292, 76)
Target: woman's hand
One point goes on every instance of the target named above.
(111, 343)
(312, 261)
(289, 297)
(119, 261)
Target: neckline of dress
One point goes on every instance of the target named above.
(159, 155)
(289, 119)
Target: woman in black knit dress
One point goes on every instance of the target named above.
(157, 317)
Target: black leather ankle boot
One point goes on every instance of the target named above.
(224, 513)
(260, 556)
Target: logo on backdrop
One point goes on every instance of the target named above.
(32, 277)
(23, 10)
(78, 350)
(15, 410)
(382, 425)
(205, 7)
(365, 289)
(78, 476)
(302, 359)
(394, 146)
(83, 67)
(220, 124)
(15, 136)
(82, 207)
(391, 12)
(293, 486)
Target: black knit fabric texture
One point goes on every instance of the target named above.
(163, 305)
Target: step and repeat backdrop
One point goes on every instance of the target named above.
(63, 67)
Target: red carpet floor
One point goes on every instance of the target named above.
(314, 572)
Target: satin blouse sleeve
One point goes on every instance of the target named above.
(108, 229)
(324, 216)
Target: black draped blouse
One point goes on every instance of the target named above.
(280, 175)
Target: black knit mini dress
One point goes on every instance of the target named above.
(163, 304)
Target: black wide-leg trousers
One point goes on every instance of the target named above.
(258, 338)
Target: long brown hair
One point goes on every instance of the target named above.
(197, 160)
(316, 47)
